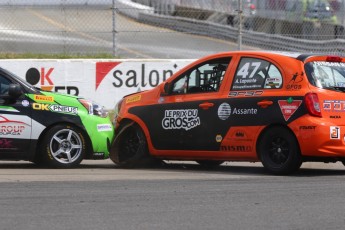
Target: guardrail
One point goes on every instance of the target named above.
(132, 9)
(249, 38)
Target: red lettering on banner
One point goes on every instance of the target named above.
(46, 76)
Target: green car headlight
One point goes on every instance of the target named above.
(94, 108)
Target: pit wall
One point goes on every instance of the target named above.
(103, 81)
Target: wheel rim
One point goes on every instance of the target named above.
(66, 146)
(130, 145)
(279, 151)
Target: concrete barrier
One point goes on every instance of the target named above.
(104, 81)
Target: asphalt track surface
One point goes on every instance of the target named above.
(86, 31)
(179, 195)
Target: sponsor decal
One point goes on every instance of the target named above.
(55, 108)
(246, 85)
(272, 83)
(11, 127)
(335, 117)
(330, 64)
(38, 106)
(238, 135)
(133, 99)
(307, 132)
(246, 93)
(224, 111)
(248, 111)
(25, 103)
(334, 132)
(63, 109)
(43, 79)
(327, 106)
(6, 144)
(43, 98)
(337, 106)
(334, 105)
(104, 127)
(293, 84)
(219, 138)
(289, 107)
(247, 76)
(181, 119)
(236, 148)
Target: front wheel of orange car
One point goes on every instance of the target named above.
(130, 149)
(279, 151)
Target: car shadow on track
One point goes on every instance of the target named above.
(226, 168)
(245, 169)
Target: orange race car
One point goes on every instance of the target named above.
(278, 108)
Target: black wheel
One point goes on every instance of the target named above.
(130, 149)
(209, 163)
(63, 146)
(279, 151)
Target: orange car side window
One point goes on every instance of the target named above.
(254, 73)
(206, 77)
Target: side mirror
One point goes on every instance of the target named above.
(15, 90)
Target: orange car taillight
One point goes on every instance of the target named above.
(334, 59)
(313, 105)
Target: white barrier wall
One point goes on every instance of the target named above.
(104, 81)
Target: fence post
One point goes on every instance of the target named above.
(239, 41)
(114, 28)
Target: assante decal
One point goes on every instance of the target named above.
(225, 110)
(245, 111)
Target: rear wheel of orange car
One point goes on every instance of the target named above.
(279, 151)
(130, 148)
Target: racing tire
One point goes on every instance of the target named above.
(63, 146)
(130, 149)
(279, 151)
(209, 163)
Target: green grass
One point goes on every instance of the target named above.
(54, 56)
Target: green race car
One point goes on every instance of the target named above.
(48, 128)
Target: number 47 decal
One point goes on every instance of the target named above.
(244, 71)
